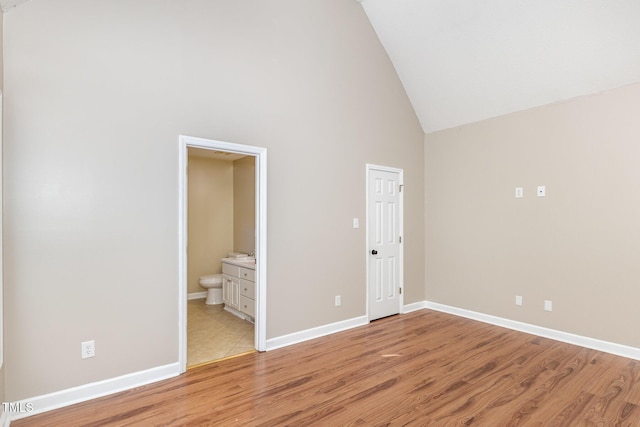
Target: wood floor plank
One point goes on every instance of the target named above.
(422, 368)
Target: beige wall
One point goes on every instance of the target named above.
(579, 246)
(210, 217)
(96, 95)
(1, 52)
(244, 205)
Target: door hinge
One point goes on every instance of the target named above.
(400, 291)
(399, 239)
(401, 185)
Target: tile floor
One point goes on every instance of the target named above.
(213, 333)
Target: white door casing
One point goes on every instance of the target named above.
(261, 237)
(384, 241)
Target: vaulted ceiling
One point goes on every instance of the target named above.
(463, 61)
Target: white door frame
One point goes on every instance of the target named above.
(400, 172)
(261, 236)
(1, 242)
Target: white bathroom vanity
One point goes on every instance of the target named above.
(239, 287)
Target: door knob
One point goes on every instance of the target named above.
(374, 252)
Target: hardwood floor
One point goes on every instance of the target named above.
(422, 368)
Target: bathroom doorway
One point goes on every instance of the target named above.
(216, 160)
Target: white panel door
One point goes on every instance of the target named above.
(384, 225)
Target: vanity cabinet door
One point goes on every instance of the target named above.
(235, 293)
(231, 291)
(226, 288)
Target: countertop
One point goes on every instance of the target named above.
(247, 263)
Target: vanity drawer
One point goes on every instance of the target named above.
(247, 274)
(248, 306)
(248, 289)
(231, 270)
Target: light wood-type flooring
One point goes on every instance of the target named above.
(418, 369)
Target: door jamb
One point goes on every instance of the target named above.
(400, 172)
(261, 236)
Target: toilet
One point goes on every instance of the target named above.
(213, 284)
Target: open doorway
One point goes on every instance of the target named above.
(187, 143)
(220, 244)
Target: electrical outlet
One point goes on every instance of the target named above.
(542, 191)
(548, 305)
(338, 300)
(519, 193)
(88, 349)
(518, 299)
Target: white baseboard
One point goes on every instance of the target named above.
(605, 346)
(317, 332)
(70, 396)
(94, 390)
(415, 306)
(332, 328)
(196, 295)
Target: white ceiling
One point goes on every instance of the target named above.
(461, 61)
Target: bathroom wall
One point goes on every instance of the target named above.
(97, 93)
(244, 204)
(210, 217)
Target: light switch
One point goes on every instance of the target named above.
(542, 191)
(519, 192)
(356, 223)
